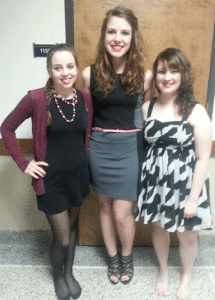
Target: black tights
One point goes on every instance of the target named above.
(64, 227)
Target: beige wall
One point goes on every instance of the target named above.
(18, 202)
(18, 208)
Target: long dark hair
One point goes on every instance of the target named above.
(176, 59)
(49, 88)
(133, 75)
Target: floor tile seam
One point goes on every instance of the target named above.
(75, 267)
(104, 267)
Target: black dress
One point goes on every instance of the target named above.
(66, 180)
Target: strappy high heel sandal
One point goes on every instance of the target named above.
(127, 268)
(114, 268)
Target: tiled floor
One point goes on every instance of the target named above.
(25, 272)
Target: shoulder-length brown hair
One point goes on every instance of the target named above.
(176, 59)
(49, 88)
(133, 74)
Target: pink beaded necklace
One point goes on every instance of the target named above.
(72, 102)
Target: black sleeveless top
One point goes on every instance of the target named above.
(117, 110)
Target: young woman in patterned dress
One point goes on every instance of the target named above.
(178, 138)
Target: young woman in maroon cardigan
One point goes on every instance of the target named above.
(61, 124)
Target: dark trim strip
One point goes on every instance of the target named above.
(211, 82)
(69, 20)
(211, 89)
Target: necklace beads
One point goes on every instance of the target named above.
(72, 102)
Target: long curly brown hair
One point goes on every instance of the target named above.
(133, 74)
(176, 59)
(49, 88)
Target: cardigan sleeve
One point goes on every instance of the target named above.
(21, 112)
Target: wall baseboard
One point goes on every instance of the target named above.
(24, 144)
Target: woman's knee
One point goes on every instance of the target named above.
(123, 215)
(123, 219)
(188, 237)
(157, 228)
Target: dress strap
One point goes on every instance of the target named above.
(185, 116)
(151, 107)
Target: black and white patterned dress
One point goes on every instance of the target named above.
(166, 177)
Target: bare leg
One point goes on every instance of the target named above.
(108, 224)
(61, 231)
(73, 285)
(188, 244)
(125, 224)
(108, 229)
(161, 241)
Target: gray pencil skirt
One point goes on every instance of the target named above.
(115, 163)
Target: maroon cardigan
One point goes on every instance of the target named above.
(34, 105)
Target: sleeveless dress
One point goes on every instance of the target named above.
(116, 147)
(67, 176)
(166, 177)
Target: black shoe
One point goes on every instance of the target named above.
(114, 268)
(61, 288)
(73, 286)
(127, 267)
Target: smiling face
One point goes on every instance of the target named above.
(63, 70)
(118, 37)
(168, 80)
